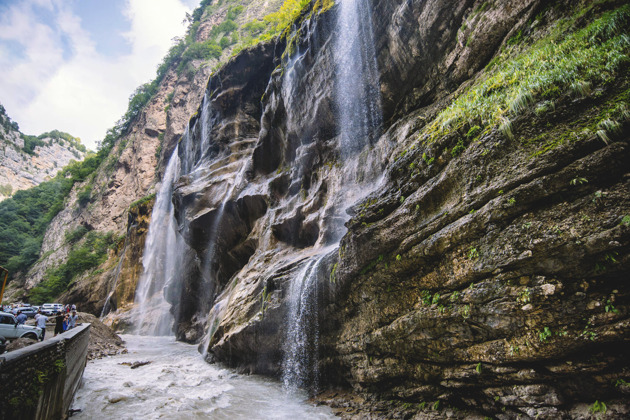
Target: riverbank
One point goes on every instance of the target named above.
(103, 341)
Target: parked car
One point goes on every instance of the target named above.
(9, 328)
(28, 311)
(49, 309)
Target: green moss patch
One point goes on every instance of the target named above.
(523, 76)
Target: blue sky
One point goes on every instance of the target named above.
(72, 64)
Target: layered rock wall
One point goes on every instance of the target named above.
(486, 274)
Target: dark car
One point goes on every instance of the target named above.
(29, 311)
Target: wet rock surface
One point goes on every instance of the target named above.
(487, 280)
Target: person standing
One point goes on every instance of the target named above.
(73, 319)
(21, 318)
(40, 321)
(58, 323)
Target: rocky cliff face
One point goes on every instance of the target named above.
(484, 263)
(21, 169)
(129, 175)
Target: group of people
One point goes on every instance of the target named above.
(64, 320)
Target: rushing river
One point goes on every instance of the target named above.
(178, 384)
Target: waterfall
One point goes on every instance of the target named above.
(205, 124)
(301, 348)
(358, 101)
(107, 307)
(160, 260)
(357, 77)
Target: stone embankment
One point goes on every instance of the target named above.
(39, 381)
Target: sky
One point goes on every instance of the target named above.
(71, 65)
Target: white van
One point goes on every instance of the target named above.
(49, 309)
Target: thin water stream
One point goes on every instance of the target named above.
(178, 384)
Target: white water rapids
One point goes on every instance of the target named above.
(178, 384)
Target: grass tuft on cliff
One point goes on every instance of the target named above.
(543, 72)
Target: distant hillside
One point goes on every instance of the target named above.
(27, 161)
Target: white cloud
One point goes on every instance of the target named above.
(86, 94)
(40, 56)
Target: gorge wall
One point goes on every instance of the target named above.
(416, 201)
(484, 262)
(23, 165)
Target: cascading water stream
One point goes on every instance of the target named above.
(108, 305)
(358, 100)
(160, 261)
(357, 77)
(205, 123)
(301, 352)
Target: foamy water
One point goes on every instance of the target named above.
(178, 384)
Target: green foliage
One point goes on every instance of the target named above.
(610, 307)
(277, 23)
(6, 122)
(57, 136)
(30, 143)
(6, 190)
(427, 159)
(473, 132)
(478, 367)
(578, 181)
(333, 273)
(435, 299)
(473, 253)
(89, 253)
(626, 220)
(524, 296)
(544, 334)
(76, 234)
(25, 216)
(60, 365)
(595, 55)
(255, 27)
(142, 201)
(598, 407)
(458, 148)
(84, 195)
